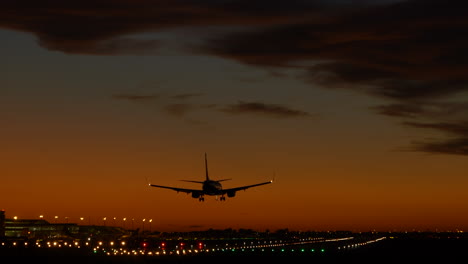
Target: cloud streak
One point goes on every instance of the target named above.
(136, 97)
(186, 96)
(258, 108)
(174, 107)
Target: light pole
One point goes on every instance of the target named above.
(144, 219)
(124, 219)
(56, 217)
(151, 220)
(104, 220)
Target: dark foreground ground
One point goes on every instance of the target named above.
(398, 250)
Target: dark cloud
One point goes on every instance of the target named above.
(456, 146)
(425, 110)
(399, 110)
(411, 53)
(457, 129)
(448, 119)
(273, 110)
(115, 46)
(99, 27)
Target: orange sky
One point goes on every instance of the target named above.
(86, 121)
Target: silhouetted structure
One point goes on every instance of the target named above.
(38, 228)
(42, 229)
(2, 223)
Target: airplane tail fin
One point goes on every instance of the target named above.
(206, 168)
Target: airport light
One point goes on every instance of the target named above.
(15, 217)
(41, 216)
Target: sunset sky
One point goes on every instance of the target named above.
(357, 109)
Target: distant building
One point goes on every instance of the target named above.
(42, 229)
(34, 228)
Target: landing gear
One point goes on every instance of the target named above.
(222, 198)
(201, 199)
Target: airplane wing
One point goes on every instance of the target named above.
(177, 189)
(233, 190)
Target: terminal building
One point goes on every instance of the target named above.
(42, 229)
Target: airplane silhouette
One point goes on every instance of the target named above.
(210, 187)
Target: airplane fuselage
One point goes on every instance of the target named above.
(212, 187)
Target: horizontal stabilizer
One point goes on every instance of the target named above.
(223, 180)
(192, 181)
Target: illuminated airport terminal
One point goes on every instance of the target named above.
(42, 229)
